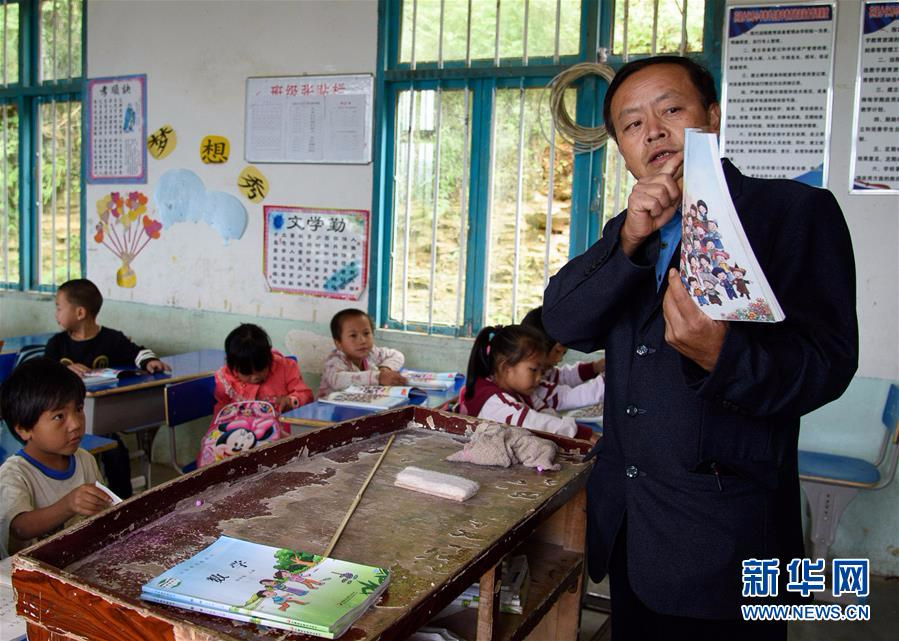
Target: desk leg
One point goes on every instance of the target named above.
(567, 528)
(488, 603)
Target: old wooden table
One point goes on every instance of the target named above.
(85, 582)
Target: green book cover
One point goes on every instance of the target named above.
(315, 594)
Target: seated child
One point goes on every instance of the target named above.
(84, 345)
(503, 372)
(567, 387)
(253, 371)
(49, 483)
(356, 360)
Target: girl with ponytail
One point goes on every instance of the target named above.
(504, 371)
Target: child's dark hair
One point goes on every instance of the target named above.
(248, 349)
(494, 345)
(83, 293)
(534, 319)
(36, 386)
(345, 314)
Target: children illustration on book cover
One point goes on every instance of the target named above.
(718, 267)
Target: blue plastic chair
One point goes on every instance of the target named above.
(831, 481)
(186, 402)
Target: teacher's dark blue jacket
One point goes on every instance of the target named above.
(667, 420)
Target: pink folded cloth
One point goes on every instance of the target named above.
(493, 444)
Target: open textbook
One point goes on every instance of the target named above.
(376, 397)
(430, 380)
(276, 587)
(718, 266)
(108, 374)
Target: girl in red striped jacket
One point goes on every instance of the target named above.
(504, 370)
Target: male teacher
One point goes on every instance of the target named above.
(697, 469)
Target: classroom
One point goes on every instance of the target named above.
(232, 174)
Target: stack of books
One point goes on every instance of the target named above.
(430, 380)
(274, 587)
(378, 397)
(513, 590)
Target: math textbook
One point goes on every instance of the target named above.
(717, 265)
(377, 397)
(275, 587)
(430, 380)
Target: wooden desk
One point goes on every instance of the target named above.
(138, 402)
(317, 414)
(85, 582)
(9, 350)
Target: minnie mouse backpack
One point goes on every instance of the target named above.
(239, 427)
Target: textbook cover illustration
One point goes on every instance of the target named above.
(717, 265)
(277, 587)
(370, 396)
(430, 380)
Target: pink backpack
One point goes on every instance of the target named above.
(239, 427)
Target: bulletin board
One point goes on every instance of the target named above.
(309, 119)
(317, 252)
(117, 129)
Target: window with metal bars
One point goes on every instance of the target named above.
(477, 201)
(41, 73)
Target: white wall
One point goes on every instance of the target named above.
(873, 219)
(197, 57)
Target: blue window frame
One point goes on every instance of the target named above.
(41, 77)
(476, 202)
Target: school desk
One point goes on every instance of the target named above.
(136, 402)
(317, 414)
(9, 350)
(85, 582)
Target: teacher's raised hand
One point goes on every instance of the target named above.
(652, 203)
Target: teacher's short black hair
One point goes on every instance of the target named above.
(699, 75)
(36, 386)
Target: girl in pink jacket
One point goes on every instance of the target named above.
(253, 371)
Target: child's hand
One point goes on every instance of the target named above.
(156, 365)
(389, 377)
(284, 403)
(599, 367)
(595, 437)
(87, 500)
(79, 369)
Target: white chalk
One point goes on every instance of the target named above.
(436, 483)
(115, 499)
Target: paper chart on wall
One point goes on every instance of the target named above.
(318, 252)
(718, 267)
(776, 96)
(117, 130)
(875, 143)
(309, 119)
